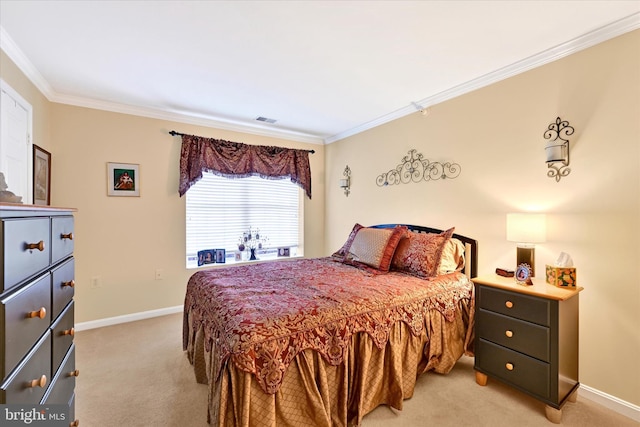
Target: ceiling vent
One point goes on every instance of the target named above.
(265, 119)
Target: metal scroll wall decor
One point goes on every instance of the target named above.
(415, 168)
(557, 148)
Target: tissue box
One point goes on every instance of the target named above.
(562, 277)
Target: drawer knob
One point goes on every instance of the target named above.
(67, 236)
(508, 333)
(39, 382)
(71, 332)
(508, 304)
(70, 283)
(509, 366)
(76, 423)
(38, 313)
(74, 373)
(39, 246)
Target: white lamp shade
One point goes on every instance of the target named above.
(526, 227)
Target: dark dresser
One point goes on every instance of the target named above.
(527, 337)
(37, 353)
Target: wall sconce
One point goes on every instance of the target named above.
(345, 183)
(557, 149)
(526, 229)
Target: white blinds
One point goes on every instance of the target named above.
(220, 209)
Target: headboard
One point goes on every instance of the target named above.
(470, 245)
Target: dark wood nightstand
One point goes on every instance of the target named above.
(527, 337)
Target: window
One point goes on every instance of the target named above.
(220, 210)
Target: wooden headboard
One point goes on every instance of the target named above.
(471, 245)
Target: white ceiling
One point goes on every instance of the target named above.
(323, 69)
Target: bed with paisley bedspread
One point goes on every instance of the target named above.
(324, 341)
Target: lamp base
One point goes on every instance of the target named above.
(526, 255)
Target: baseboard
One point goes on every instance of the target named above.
(92, 324)
(611, 402)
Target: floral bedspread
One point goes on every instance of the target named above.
(261, 316)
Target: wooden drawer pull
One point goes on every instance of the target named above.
(509, 334)
(74, 373)
(39, 313)
(509, 366)
(40, 382)
(67, 236)
(508, 304)
(39, 246)
(71, 332)
(70, 283)
(76, 423)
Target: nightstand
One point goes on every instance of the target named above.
(527, 337)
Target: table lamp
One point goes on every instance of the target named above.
(526, 229)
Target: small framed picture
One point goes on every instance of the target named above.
(238, 256)
(123, 179)
(41, 176)
(206, 256)
(523, 274)
(283, 252)
(221, 256)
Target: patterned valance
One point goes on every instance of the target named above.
(238, 160)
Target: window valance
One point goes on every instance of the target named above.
(238, 160)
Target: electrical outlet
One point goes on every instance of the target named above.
(159, 274)
(96, 282)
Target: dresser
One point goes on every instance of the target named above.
(527, 337)
(37, 353)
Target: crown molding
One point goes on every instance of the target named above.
(617, 28)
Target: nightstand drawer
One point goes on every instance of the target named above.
(520, 306)
(514, 368)
(527, 338)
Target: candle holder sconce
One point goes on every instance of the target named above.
(557, 149)
(345, 183)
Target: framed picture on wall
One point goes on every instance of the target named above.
(41, 176)
(123, 179)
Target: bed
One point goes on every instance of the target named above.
(324, 341)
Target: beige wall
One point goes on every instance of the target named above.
(123, 240)
(496, 135)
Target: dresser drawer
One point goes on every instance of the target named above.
(64, 381)
(520, 306)
(29, 381)
(19, 330)
(63, 286)
(525, 337)
(61, 237)
(527, 373)
(18, 261)
(62, 333)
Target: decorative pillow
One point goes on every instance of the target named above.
(452, 257)
(345, 248)
(421, 253)
(375, 247)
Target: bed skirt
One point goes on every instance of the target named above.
(316, 393)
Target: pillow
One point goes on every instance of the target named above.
(421, 253)
(452, 257)
(375, 247)
(345, 248)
